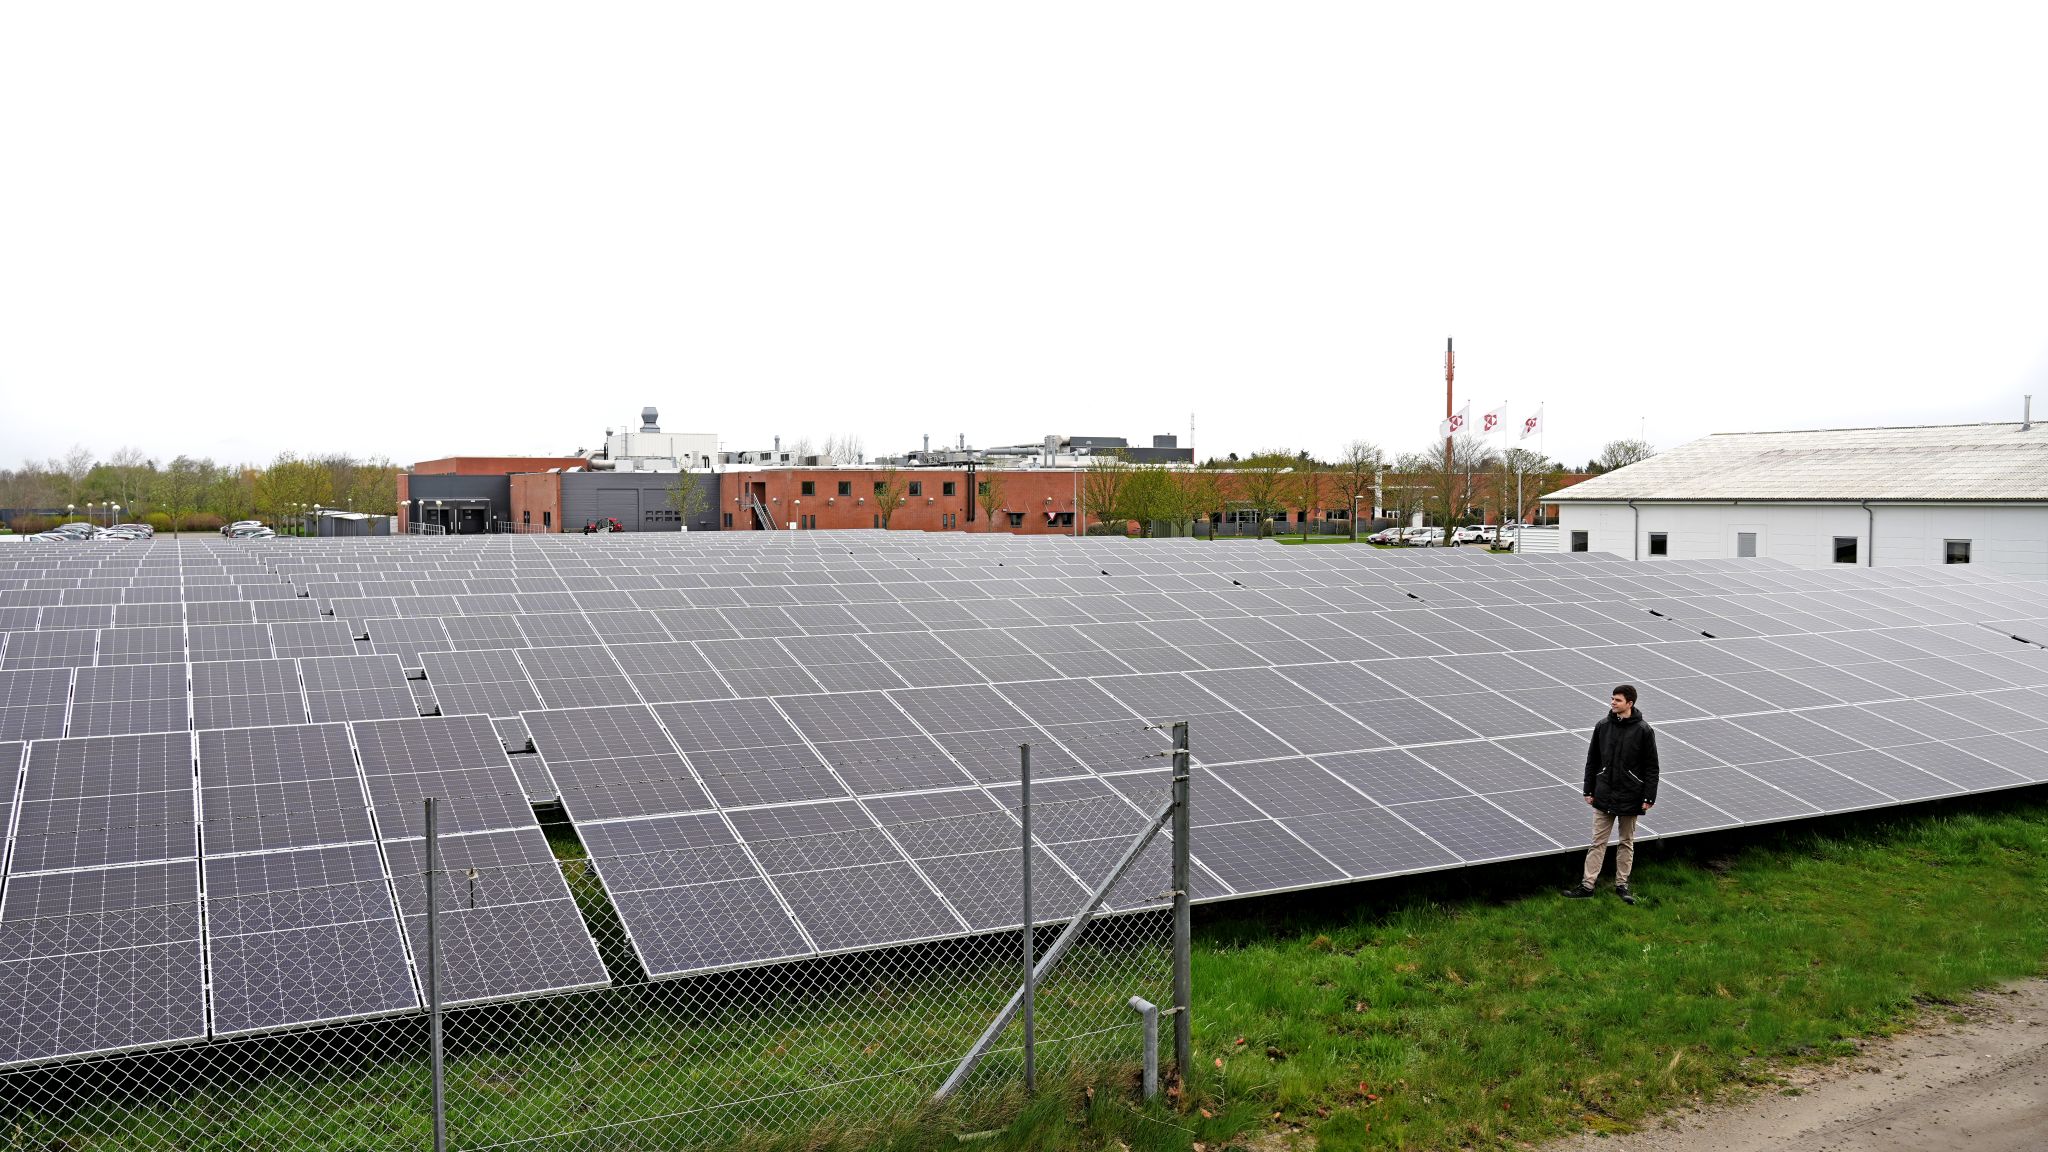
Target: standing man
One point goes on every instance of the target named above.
(1621, 784)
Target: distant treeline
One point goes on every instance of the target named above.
(189, 494)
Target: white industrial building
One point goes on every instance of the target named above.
(1942, 494)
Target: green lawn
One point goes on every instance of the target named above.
(1459, 1009)
(1470, 1009)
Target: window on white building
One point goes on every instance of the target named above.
(1745, 544)
(1660, 545)
(1845, 550)
(1581, 541)
(1955, 551)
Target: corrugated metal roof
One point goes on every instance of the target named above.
(1933, 462)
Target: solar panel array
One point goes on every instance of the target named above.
(784, 745)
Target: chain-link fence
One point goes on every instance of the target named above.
(850, 1045)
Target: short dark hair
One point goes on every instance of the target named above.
(1626, 691)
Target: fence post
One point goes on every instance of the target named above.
(433, 981)
(1148, 1016)
(1183, 974)
(1030, 932)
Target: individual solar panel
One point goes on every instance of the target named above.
(457, 760)
(300, 638)
(101, 801)
(575, 677)
(689, 895)
(69, 649)
(1474, 829)
(11, 754)
(746, 752)
(150, 645)
(228, 642)
(342, 688)
(246, 693)
(846, 883)
(33, 702)
(100, 960)
(486, 683)
(669, 671)
(292, 786)
(301, 937)
(129, 698)
(508, 924)
(406, 638)
(614, 762)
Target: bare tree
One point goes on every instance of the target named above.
(75, 466)
(1357, 470)
(1518, 474)
(1621, 454)
(844, 448)
(988, 492)
(801, 447)
(1449, 487)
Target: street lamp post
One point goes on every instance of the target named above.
(113, 514)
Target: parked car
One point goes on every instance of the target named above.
(1470, 534)
(1422, 537)
(238, 525)
(251, 532)
(1506, 540)
(143, 531)
(1385, 536)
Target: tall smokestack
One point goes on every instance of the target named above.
(2027, 413)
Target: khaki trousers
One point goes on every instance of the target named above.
(1624, 847)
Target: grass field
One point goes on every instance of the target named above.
(1456, 1010)
(1484, 1008)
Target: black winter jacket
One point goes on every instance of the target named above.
(1621, 764)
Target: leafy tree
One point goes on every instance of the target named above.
(1621, 454)
(1102, 487)
(888, 494)
(1305, 488)
(176, 489)
(988, 492)
(1262, 483)
(690, 495)
(1146, 496)
(1356, 472)
(1202, 494)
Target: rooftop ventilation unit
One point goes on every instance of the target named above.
(648, 416)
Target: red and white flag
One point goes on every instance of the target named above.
(1494, 421)
(1456, 424)
(1532, 425)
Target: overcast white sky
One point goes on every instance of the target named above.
(424, 229)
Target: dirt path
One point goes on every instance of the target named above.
(1981, 1085)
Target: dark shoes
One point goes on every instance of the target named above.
(1627, 897)
(1578, 892)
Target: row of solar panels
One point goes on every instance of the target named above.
(854, 828)
(167, 887)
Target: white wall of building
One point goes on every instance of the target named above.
(2010, 539)
(687, 449)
